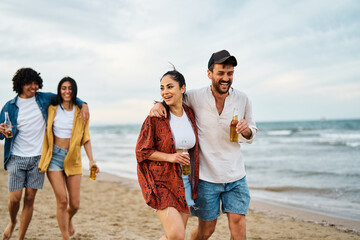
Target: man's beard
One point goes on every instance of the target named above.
(218, 89)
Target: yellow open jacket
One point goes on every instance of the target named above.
(79, 136)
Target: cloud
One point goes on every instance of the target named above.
(120, 112)
(340, 92)
(118, 50)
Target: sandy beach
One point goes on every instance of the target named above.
(113, 208)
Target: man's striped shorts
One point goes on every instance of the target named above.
(24, 172)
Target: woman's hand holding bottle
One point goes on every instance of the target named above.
(94, 169)
(179, 157)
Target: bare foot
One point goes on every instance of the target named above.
(9, 230)
(71, 229)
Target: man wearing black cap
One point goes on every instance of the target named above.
(222, 169)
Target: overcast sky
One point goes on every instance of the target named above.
(297, 60)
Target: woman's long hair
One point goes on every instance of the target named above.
(59, 99)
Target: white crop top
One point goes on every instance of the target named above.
(182, 131)
(63, 122)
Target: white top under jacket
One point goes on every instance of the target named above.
(31, 126)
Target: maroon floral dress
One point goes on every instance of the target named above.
(161, 182)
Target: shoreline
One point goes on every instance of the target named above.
(270, 209)
(112, 207)
(299, 214)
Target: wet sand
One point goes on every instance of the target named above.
(113, 208)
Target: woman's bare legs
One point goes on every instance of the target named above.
(57, 180)
(174, 223)
(73, 186)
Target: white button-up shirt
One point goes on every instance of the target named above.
(221, 161)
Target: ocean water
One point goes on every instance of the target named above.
(313, 165)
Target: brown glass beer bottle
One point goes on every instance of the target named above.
(234, 136)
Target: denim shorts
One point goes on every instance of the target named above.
(234, 197)
(24, 172)
(57, 159)
(188, 194)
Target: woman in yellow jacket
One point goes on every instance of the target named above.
(65, 133)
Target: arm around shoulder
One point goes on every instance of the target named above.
(158, 110)
(85, 114)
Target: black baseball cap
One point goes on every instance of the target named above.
(220, 57)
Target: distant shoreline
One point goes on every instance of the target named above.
(94, 124)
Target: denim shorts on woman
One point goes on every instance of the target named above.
(24, 172)
(234, 197)
(57, 159)
(188, 194)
